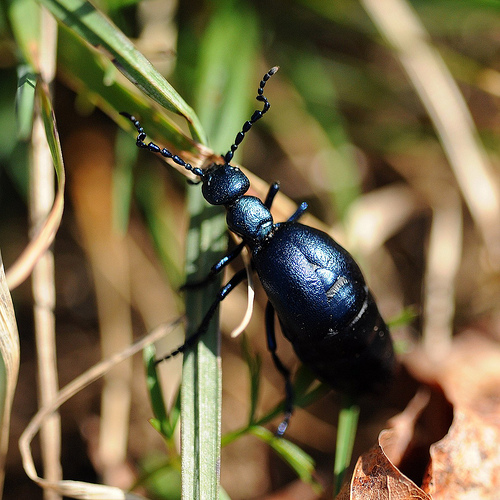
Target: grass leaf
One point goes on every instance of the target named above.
(95, 28)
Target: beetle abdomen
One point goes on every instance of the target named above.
(312, 282)
(355, 360)
(325, 308)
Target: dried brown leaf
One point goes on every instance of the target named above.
(376, 477)
(376, 474)
(470, 377)
(466, 462)
(48, 227)
(9, 366)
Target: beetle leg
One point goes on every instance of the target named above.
(298, 213)
(221, 295)
(271, 345)
(216, 268)
(273, 190)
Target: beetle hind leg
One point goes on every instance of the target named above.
(271, 345)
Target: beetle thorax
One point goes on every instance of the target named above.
(250, 218)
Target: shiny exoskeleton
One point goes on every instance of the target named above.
(314, 286)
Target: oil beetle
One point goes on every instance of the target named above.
(314, 286)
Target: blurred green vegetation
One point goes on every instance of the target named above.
(345, 124)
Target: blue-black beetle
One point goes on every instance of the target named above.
(313, 284)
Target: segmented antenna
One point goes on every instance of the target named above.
(257, 115)
(154, 148)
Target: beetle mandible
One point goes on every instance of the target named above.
(314, 285)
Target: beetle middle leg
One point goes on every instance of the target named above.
(271, 345)
(221, 295)
(215, 269)
(298, 213)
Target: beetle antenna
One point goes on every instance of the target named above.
(257, 115)
(154, 148)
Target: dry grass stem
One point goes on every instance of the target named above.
(448, 111)
(77, 489)
(9, 351)
(443, 260)
(43, 279)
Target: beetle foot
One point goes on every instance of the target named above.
(280, 431)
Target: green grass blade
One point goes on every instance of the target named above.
(123, 180)
(95, 28)
(346, 432)
(89, 74)
(25, 101)
(24, 16)
(223, 103)
(298, 459)
(201, 377)
(161, 421)
(227, 84)
(341, 171)
(52, 136)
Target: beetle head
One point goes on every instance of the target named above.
(222, 184)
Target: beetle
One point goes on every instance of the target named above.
(313, 285)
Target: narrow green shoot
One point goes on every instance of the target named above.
(346, 433)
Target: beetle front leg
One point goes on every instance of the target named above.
(273, 191)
